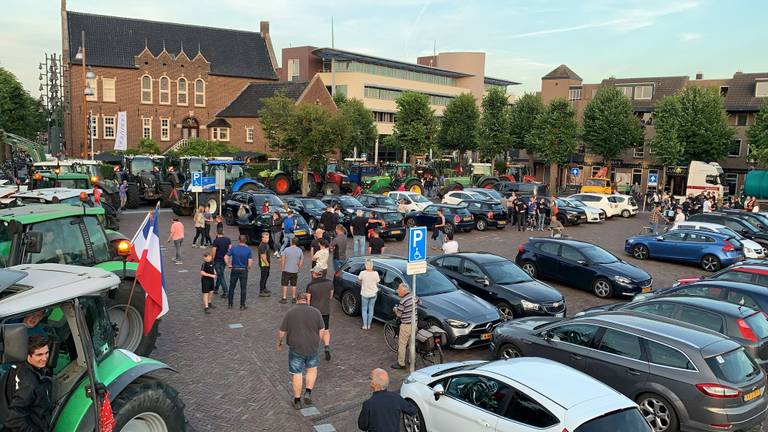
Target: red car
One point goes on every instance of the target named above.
(749, 271)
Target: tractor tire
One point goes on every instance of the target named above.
(149, 404)
(211, 200)
(332, 189)
(129, 333)
(449, 187)
(488, 183)
(132, 200)
(281, 184)
(385, 190)
(415, 186)
(166, 189)
(179, 210)
(313, 188)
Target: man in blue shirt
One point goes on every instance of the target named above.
(288, 225)
(221, 245)
(240, 260)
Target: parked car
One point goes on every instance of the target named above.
(260, 223)
(567, 213)
(253, 200)
(487, 194)
(499, 281)
(393, 223)
(378, 201)
(710, 250)
(520, 395)
(311, 209)
(738, 224)
(627, 205)
(522, 189)
(458, 197)
(739, 293)
(751, 248)
(467, 319)
(594, 214)
(601, 201)
(582, 265)
(347, 204)
(487, 214)
(747, 326)
(750, 271)
(757, 219)
(456, 218)
(413, 201)
(682, 377)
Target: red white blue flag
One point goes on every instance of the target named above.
(145, 248)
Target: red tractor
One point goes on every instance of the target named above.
(330, 182)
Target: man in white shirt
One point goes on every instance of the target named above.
(679, 215)
(451, 246)
(707, 206)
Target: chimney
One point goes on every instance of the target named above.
(699, 75)
(264, 28)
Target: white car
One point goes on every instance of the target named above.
(413, 200)
(752, 249)
(626, 204)
(600, 201)
(516, 395)
(594, 214)
(458, 197)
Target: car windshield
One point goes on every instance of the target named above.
(628, 420)
(386, 202)
(419, 199)
(576, 203)
(598, 255)
(475, 195)
(492, 193)
(433, 282)
(274, 201)
(729, 232)
(141, 164)
(734, 367)
(195, 165)
(504, 272)
(348, 201)
(313, 204)
(391, 217)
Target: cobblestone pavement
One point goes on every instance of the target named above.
(233, 379)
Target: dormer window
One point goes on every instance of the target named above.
(761, 88)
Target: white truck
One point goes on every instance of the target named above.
(702, 177)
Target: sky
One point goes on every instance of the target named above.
(523, 40)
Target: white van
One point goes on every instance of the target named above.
(752, 249)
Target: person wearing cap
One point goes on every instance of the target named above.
(320, 293)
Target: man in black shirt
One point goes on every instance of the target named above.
(358, 227)
(520, 210)
(376, 244)
(320, 292)
(264, 264)
(382, 411)
(221, 245)
(329, 219)
(26, 402)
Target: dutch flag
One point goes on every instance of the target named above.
(145, 249)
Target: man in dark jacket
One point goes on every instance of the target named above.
(329, 219)
(26, 397)
(382, 411)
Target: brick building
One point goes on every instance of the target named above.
(743, 95)
(171, 79)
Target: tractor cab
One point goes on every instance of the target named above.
(596, 185)
(47, 180)
(515, 172)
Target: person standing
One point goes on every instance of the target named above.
(240, 260)
(383, 411)
(264, 264)
(207, 281)
(329, 219)
(320, 258)
(219, 223)
(404, 311)
(376, 244)
(221, 245)
(439, 227)
(289, 224)
(339, 247)
(542, 209)
(358, 226)
(654, 218)
(369, 289)
(679, 215)
(314, 246)
(265, 207)
(520, 209)
(532, 213)
(320, 293)
(208, 221)
(291, 260)
(122, 192)
(276, 226)
(302, 328)
(451, 246)
(177, 235)
(706, 206)
(27, 403)
(199, 219)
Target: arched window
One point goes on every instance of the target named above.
(181, 91)
(199, 92)
(165, 91)
(146, 89)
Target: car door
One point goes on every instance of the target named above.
(387, 298)
(470, 403)
(427, 217)
(574, 267)
(567, 343)
(546, 258)
(693, 247)
(473, 280)
(618, 361)
(701, 318)
(527, 410)
(450, 266)
(667, 245)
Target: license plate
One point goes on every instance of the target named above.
(395, 232)
(467, 218)
(502, 222)
(300, 233)
(753, 395)
(485, 336)
(559, 315)
(646, 289)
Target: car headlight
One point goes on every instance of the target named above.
(622, 280)
(409, 380)
(350, 211)
(529, 305)
(457, 324)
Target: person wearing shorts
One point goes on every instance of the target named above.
(320, 292)
(291, 259)
(301, 329)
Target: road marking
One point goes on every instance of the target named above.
(235, 326)
(310, 411)
(162, 210)
(183, 271)
(326, 427)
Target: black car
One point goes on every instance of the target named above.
(312, 210)
(582, 265)
(487, 214)
(377, 201)
(253, 200)
(393, 223)
(740, 293)
(258, 223)
(467, 319)
(522, 189)
(499, 281)
(734, 222)
(567, 213)
(457, 218)
(757, 219)
(347, 204)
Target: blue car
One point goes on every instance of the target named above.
(710, 250)
(582, 265)
(457, 218)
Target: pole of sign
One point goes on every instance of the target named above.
(219, 202)
(414, 324)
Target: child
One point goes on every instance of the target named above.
(207, 281)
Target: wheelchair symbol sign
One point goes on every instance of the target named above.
(417, 244)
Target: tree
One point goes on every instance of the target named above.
(459, 129)
(339, 99)
(554, 136)
(204, 148)
(610, 125)
(691, 125)
(757, 134)
(415, 125)
(494, 124)
(363, 131)
(522, 118)
(275, 119)
(20, 113)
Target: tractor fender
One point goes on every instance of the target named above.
(483, 179)
(241, 182)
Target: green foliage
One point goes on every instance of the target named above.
(148, 146)
(459, 128)
(691, 125)
(494, 124)
(758, 136)
(362, 130)
(555, 132)
(415, 125)
(610, 125)
(275, 118)
(340, 99)
(522, 117)
(20, 113)
(204, 148)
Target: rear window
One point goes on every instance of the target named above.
(629, 420)
(734, 367)
(392, 217)
(759, 324)
(460, 212)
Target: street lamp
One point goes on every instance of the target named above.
(87, 91)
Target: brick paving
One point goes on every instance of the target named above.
(234, 379)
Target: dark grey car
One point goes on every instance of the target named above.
(683, 378)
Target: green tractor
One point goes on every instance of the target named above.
(281, 176)
(455, 179)
(84, 362)
(71, 234)
(147, 179)
(392, 177)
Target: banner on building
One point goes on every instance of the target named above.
(121, 135)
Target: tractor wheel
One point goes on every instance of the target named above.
(132, 200)
(148, 404)
(129, 319)
(166, 189)
(210, 200)
(282, 185)
(415, 186)
(450, 187)
(313, 188)
(385, 190)
(332, 189)
(488, 183)
(229, 217)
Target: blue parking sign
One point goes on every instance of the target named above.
(197, 179)
(417, 244)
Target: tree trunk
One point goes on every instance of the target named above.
(531, 163)
(304, 178)
(553, 170)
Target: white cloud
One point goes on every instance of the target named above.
(687, 37)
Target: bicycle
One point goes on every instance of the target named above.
(428, 356)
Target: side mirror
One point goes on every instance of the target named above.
(486, 282)
(582, 262)
(438, 391)
(15, 339)
(547, 336)
(34, 241)
(659, 238)
(455, 282)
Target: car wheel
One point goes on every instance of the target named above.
(414, 423)
(710, 263)
(350, 303)
(530, 268)
(602, 288)
(640, 252)
(506, 311)
(658, 412)
(625, 213)
(508, 351)
(410, 223)
(481, 224)
(229, 217)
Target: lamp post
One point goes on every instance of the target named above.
(88, 91)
